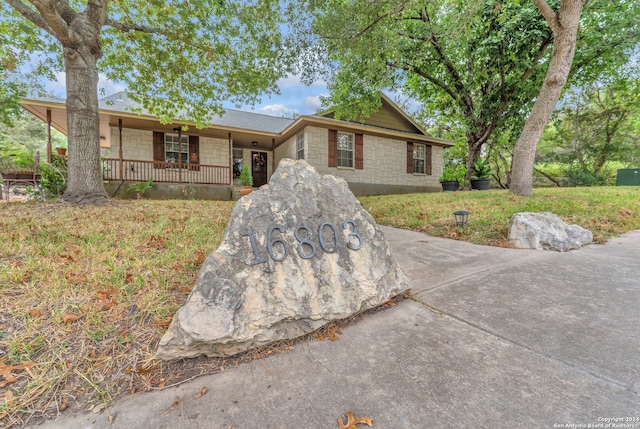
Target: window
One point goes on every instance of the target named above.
(300, 146)
(345, 150)
(418, 158)
(174, 150)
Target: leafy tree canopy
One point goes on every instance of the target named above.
(477, 64)
(173, 56)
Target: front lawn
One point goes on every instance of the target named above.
(87, 292)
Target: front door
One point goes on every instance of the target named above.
(259, 168)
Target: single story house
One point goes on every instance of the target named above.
(386, 153)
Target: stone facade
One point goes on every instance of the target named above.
(385, 163)
(384, 159)
(138, 145)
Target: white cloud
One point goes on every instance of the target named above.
(279, 110)
(314, 102)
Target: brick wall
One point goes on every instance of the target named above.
(385, 161)
(138, 145)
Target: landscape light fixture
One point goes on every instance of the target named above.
(462, 217)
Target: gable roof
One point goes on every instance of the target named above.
(389, 116)
(246, 127)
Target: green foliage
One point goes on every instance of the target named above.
(480, 77)
(14, 158)
(577, 174)
(481, 169)
(54, 176)
(453, 172)
(140, 188)
(174, 57)
(245, 176)
(596, 125)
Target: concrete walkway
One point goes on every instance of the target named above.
(497, 338)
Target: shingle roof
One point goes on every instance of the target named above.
(119, 102)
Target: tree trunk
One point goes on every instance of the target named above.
(83, 122)
(474, 149)
(565, 29)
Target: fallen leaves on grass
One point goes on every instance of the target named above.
(6, 371)
(35, 313)
(106, 298)
(70, 317)
(352, 422)
(10, 398)
(163, 323)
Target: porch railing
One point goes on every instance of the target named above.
(164, 172)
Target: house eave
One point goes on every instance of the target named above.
(339, 125)
(109, 117)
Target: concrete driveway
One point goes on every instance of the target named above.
(496, 338)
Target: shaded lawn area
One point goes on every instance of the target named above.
(605, 211)
(86, 292)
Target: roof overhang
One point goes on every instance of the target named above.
(339, 125)
(242, 137)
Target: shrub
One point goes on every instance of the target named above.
(54, 177)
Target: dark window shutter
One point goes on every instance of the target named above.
(333, 148)
(359, 152)
(427, 160)
(158, 150)
(410, 157)
(194, 153)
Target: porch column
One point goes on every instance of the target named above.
(273, 156)
(121, 167)
(230, 160)
(179, 153)
(49, 135)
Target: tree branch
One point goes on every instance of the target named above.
(30, 15)
(547, 176)
(410, 68)
(96, 12)
(541, 50)
(435, 42)
(55, 14)
(122, 26)
(549, 14)
(375, 22)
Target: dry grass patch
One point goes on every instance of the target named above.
(86, 294)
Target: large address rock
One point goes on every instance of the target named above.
(298, 253)
(546, 231)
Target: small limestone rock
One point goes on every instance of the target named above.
(298, 253)
(546, 231)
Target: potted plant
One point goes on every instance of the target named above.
(482, 174)
(246, 181)
(451, 177)
(62, 151)
(18, 165)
